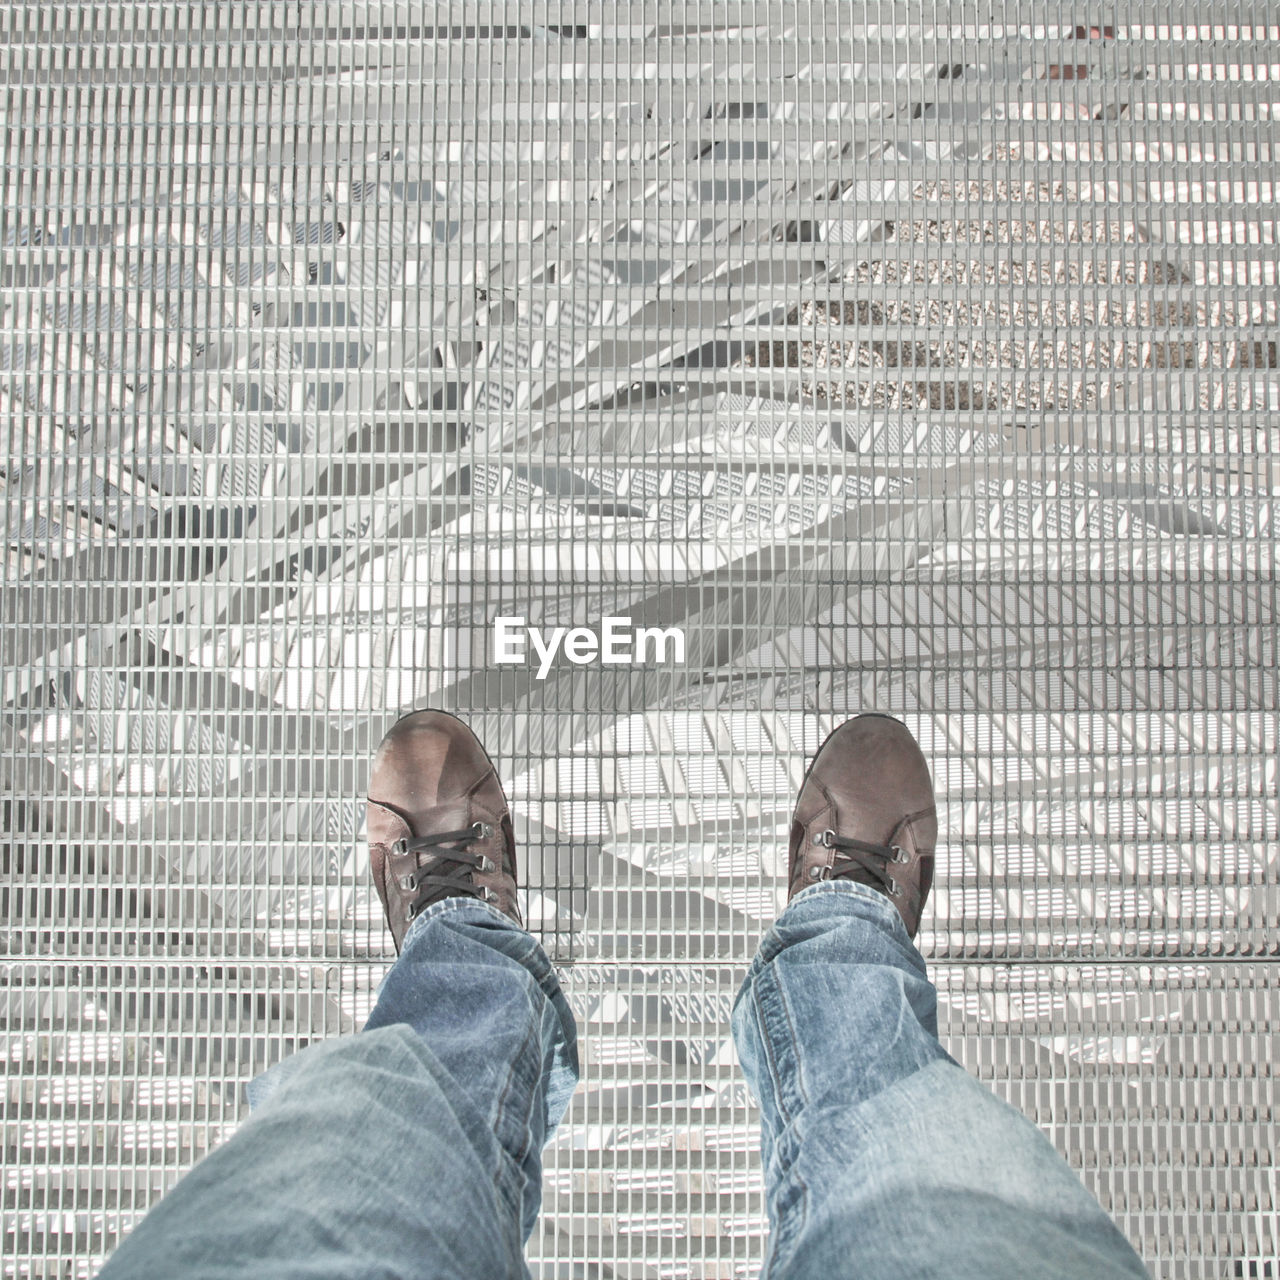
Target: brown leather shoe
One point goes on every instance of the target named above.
(866, 813)
(438, 821)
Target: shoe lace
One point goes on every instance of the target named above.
(861, 861)
(434, 886)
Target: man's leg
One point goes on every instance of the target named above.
(415, 1148)
(410, 1149)
(883, 1158)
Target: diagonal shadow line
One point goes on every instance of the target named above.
(736, 595)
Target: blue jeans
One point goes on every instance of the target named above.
(413, 1148)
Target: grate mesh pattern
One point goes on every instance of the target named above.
(916, 356)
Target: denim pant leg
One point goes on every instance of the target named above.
(412, 1149)
(882, 1157)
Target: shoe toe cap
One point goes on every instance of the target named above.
(867, 777)
(427, 759)
(875, 759)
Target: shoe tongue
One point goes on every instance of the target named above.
(859, 874)
(853, 865)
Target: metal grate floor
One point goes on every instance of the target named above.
(916, 356)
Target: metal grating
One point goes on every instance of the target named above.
(916, 356)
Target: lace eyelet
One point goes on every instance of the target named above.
(824, 838)
(489, 895)
(482, 829)
(400, 847)
(485, 864)
(900, 854)
(409, 912)
(895, 889)
(409, 882)
(815, 873)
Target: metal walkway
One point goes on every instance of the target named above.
(915, 356)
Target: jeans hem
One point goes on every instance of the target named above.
(457, 902)
(847, 887)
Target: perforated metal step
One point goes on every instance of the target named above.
(910, 356)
